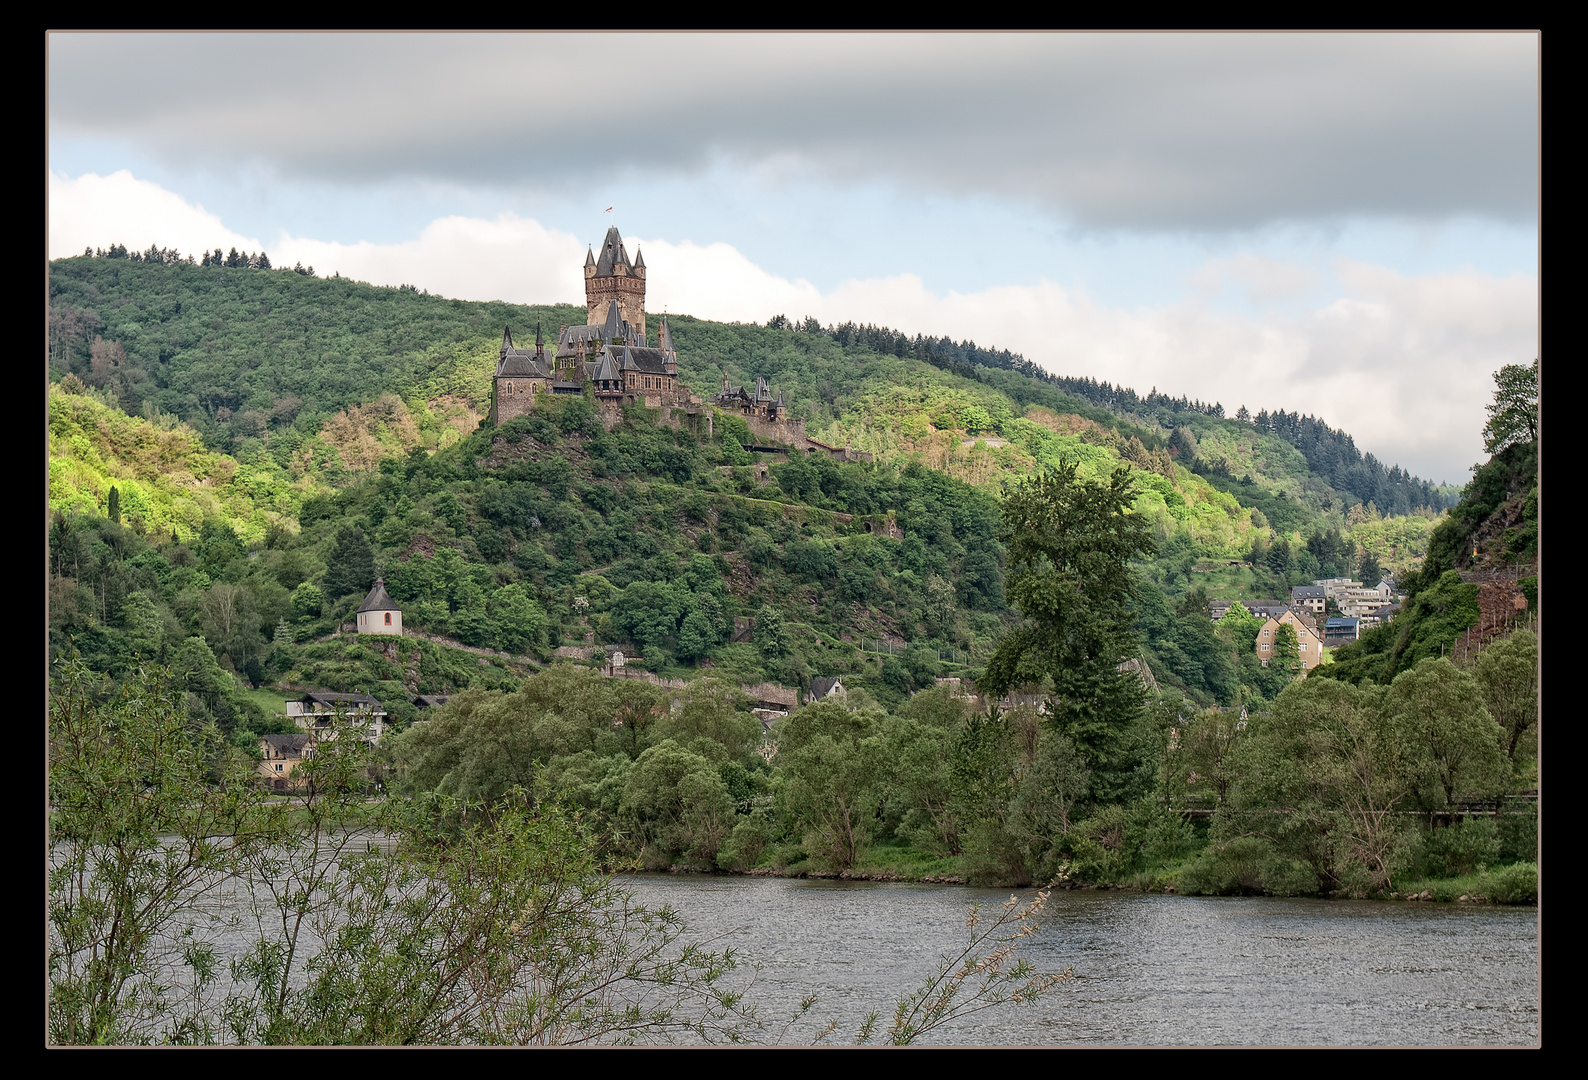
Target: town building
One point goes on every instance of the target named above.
(279, 755)
(378, 614)
(1309, 644)
(1311, 597)
(1340, 630)
(1332, 586)
(317, 710)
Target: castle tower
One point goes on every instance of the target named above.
(611, 278)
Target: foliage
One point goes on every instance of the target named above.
(1070, 545)
(1513, 415)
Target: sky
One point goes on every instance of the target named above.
(1342, 225)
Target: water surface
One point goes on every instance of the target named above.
(1161, 970)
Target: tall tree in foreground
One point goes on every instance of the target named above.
(1070, 545)
(1513, 415)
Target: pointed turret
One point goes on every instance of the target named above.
(614, 323)
(667, 343)
(612, 255)
(507, 340)
(540, 344)
(589, 257)
(639, 259)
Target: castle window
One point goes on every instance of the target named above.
(388, 618)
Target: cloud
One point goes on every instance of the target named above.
(510, 258)
(97, 211)
(1137, 131)
(1400, 361)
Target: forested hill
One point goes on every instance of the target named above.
(235, 450)
(239, 354)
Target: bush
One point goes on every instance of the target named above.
(1467, 847)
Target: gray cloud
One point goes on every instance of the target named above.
(1175, 132)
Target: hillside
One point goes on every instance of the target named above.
(372, 398)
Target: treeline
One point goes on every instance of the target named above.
(234, 259)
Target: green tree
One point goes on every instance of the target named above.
(113, 506)
(350, 566)
(1507, 672)
(139, 833)
(1070, 543)
(307, 601)
(833, 763)
(1513, 415)
(1456, 744)
(770, 637)
(517, 620)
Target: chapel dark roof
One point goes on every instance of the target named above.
(523, 364)
(378, 599)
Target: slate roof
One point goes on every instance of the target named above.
(667, 337)
(430, 701)
(612, 254)
(331, 699)
(822, 685)
(287, 745)
(1307, 592)
(378, 599)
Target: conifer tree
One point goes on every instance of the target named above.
(350, 568)
(113, 506)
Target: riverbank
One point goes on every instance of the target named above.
(1513, 885)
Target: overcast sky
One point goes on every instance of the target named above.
(1341, 224)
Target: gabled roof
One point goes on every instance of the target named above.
(523, 365)
(293, 744)
(822, 685)
(378, 599)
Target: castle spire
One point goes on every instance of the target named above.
(667, 338)
(540, 343)
(507, 340)
(589, 257)
(639, 259)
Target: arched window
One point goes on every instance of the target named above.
(388, 618)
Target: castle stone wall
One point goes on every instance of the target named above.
(628, 292)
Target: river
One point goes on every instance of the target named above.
(1149, 969)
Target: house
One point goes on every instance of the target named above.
(1309, 645)
(316, 711)
(823, 687)
(1220, 608)
(378, 614)
(429, 701)
(1331, 586)
(279, 755)
(772, 702)
(1311, 597)
(1341, 631)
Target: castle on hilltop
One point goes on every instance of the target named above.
(610, 353)
(613, 357)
